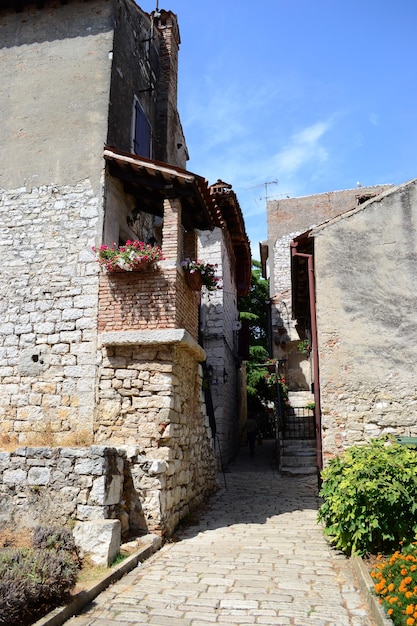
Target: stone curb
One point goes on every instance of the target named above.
(366, 584)
(60, 615)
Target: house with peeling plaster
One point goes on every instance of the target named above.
(352, 298)
(362, 318)
(290, 339)
(92, 152)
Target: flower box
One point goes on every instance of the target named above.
(206, 272)
(139, 266)
(193, 280)
(132, 257)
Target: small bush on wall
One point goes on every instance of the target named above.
(370, 497)
(34, 580)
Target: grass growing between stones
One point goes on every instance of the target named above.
(45, 437)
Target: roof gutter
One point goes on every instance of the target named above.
(314, 348)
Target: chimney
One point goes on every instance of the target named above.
(167, 119)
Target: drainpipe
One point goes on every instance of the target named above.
(269, 328)
(314, 349)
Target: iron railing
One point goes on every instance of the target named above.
(298, 423)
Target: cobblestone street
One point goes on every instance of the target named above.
(256, 556)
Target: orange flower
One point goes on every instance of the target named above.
(410, 621)
(410, 609)
(391, 587)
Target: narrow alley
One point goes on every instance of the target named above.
(256, 556)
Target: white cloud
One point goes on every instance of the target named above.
(303, 147)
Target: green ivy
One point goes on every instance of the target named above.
(370, 497)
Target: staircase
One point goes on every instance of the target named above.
(298, 457)
(298, 443)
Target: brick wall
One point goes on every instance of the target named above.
(147, 300)
(288, 218)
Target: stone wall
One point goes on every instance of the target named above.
(48, 308)
(366, 315)
(58, 486)
(150, 396)
(218, 326)
(288, 218)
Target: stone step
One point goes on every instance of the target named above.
(299, 460)
(296, 447)
(298, 457)
(298, 471)
(300, 398)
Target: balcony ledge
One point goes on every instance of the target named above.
(168, 336)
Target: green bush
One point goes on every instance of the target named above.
(370, 497)
(34, 580)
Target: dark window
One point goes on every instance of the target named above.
(142, 132)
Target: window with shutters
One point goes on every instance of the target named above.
(142, 132)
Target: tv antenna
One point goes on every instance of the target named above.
(157, 13)
(265, 185)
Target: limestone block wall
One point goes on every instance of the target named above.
(57, 486)
(218, 324)
(366, 315)
(48, 308)
(149, 396)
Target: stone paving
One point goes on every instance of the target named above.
(256, 556)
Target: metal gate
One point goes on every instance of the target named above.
(298, 423)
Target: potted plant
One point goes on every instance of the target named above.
(132, 256)
(199, 273)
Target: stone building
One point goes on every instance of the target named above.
(289, 333)
(92, 151)
(364, 311)
(228, 247)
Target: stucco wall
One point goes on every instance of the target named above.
(55, 77)
(287, 218)
(365, 267)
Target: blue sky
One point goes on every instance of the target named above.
(314, 94)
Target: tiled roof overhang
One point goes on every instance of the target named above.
(233, 222)
(150, 182)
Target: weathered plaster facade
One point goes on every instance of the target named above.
(287, 218)
(365, 268)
